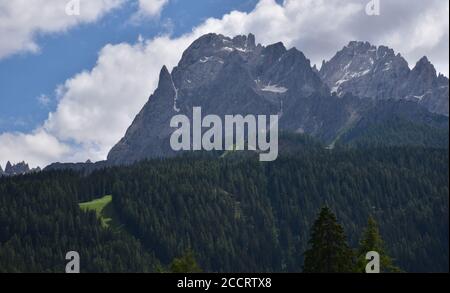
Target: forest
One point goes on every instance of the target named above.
(232, 213)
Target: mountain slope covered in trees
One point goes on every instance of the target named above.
(235, 214)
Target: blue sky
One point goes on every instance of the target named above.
(24, 76)
(71, 85)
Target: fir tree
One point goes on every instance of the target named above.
(329, 251)
(372, 241)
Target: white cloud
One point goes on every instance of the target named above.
(147, 10)
(91, 114)
(151, 7)
(38, 148)
(424, 31)
(322, 27)
(22, 20)
(96, 107)
(317, 24)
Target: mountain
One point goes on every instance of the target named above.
(223, 76)
(379, 73)
(17, 169)
(237, 76)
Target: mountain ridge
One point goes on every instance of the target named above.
(17, 169)
(379, 73)
(237, 76)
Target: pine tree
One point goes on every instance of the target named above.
(372, 241)
(329, 251)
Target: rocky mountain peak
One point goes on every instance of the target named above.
(424, 66)
(360, 61)
(423, 61)
(358, 47)
(379, 73)
(217, 45)
(231, 76)
(314, 68)
(275, 50)
(423, 77)
(165, 79)
(16, 169)
(244, 42)
(224, 76)
(442, 80)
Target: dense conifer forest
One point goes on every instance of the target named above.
(233, 214)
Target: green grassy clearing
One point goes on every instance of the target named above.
(104, 209)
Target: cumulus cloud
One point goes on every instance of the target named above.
(416, 30)
(321, 27)
(38, 148)
(151, 7)
(96, 106)
(148, 10)
(22, 20)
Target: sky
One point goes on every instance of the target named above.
(71, 83)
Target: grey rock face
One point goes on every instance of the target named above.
(17, 169)
(230, 76)
(224, 76)
(428, 90)
(378, 73)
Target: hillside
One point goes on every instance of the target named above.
(236, 214)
